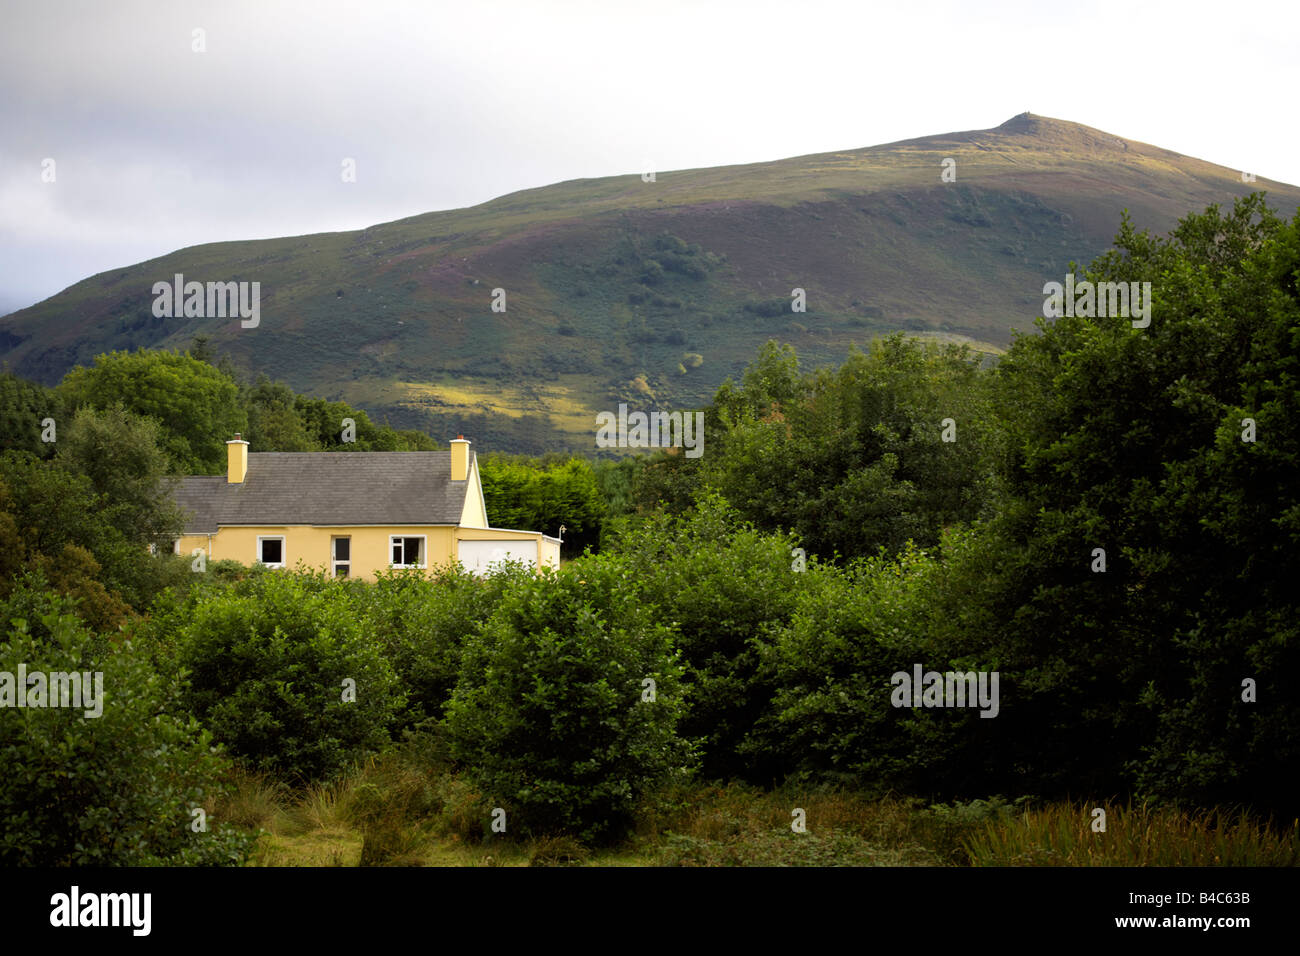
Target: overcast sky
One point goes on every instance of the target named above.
(442, 105)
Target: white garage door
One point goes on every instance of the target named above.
(478, 556)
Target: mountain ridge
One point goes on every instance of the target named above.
(619, 289)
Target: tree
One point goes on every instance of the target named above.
(24, 407)
(890, 447)
(1135, 441)
(200, 349)
(323, 422)
(196, 405)
(274, 423)
(56, 521)
(527, 493)
(119, 452)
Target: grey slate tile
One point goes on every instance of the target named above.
(328, 488)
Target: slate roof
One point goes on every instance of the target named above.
(328, 488)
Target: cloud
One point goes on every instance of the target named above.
(450, 104)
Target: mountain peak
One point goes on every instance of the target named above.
(612, 282)
(1021, 123)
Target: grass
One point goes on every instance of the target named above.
(1143, 835)
(400, 810)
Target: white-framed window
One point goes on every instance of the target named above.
(270, 550)
(341, 556)
(407, 551)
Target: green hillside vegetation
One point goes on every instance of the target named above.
(610, 282)
(1110, 528)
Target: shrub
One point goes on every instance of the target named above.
(269, 659)
(548, 717)
(421, 625)
(728, 590)
(850, 633)
(113, 790)
(948, 829)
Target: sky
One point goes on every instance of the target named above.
(157, 144)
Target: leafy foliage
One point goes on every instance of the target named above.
(850, 632)
(728, 590)
(52, 518)
(1131, 440)
(23, 407)
(422, 624)
(122, 456)
(112, 790)
(269, 658)
(548, 716)
(854, 459)
(540, 495)
(195, 404)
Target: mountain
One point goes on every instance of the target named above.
(650, 292)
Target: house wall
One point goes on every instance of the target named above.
(310, 545)
(370, 546)
(474, 514)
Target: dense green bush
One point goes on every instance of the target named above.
(24, 406)
(855, 458)
(421, 624)
(196, 404)
(851, 631)
(548, 717)
(53, 518)
(268, 660)
(112, 790)
(728, 590)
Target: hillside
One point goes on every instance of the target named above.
(650, 292)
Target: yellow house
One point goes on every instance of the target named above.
(351, 513)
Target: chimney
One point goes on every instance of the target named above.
(459, 458)
(236, 460)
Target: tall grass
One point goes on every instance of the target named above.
(1061, 835)
(735, 825)
(405, 809)
(256, 801)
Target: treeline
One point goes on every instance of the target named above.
(85, 467)
(185, 408)
(197, 408)
(1108, 519)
